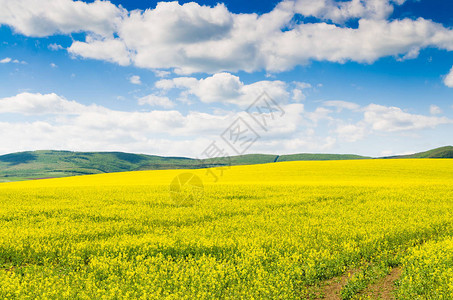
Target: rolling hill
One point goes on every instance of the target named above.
(308, 156)
(43, 164)
(50, 163)
(442, 152)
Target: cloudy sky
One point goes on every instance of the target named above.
(370, 77)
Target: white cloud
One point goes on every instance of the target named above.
(48, 17)
(53, 65)
(214, 40)
(46, 135)
(435, 110)
(302, 85)
(80, 127)
(135, 79)
(320, 113)
(448, 80)
(225, 88)
(7, 60)
(218, 88)
(54, 47)
(340, 105)
(155, 100)
(370, 41)
(40, 104)
(210, 40)
(146, 33)
(391, 119)
(64, 124)
(298, 94)
(111, 50)
(306, 143)
(161, 73)
(352, 132)
(381, 119)
(340, 12)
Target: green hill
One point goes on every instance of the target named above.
(308, 156)
(43, 164)
(49, 164)
(247, 159)
(442, 152)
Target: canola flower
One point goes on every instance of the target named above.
(262, 232)
(428, 272)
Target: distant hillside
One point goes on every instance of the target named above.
(49, 164)
(442, 152)
(247, 159)
(43, 164)
(307, 156)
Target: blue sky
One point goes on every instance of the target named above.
(370, 77)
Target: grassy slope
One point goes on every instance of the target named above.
(308, 156)
(44, 164)
(247, 159)
(41, 164)
(442, 152)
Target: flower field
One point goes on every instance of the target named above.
(274, 231)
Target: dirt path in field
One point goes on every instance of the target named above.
(331, 290)
(382, 289)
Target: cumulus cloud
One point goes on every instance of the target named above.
(111, 50)
(227, 88)
(370, 41)
(448, 80)
(59, 123)
(339, 12)
(298, 91)
(40, 104)
(210, 40)
(251, 42)
(47, 17)
(391, 119)
(320, 113)
(340, 105)
(135, 79)
(154, 100)
(379, 119)
(161, 73)
(47, 135)
(80, 127)
(435, 110)
(7, 60)
(55, 47)
(352, 132)
(213, 39)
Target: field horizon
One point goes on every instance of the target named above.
(53, 164)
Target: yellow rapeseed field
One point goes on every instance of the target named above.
(274, 231)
